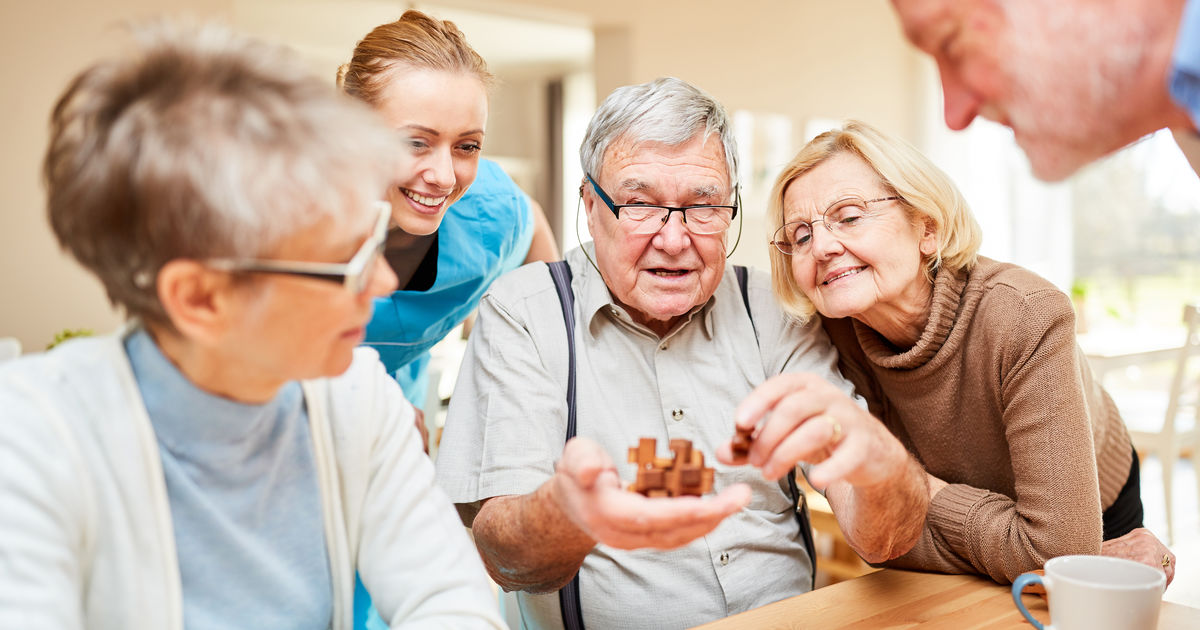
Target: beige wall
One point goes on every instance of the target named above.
(44, 43)
(811, 58)
(803, 59)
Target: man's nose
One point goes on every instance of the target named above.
(960, 103)
(673, 237)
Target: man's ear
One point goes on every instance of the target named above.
(591, 201)
(195, 298)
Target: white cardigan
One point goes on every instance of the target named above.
(86, 539)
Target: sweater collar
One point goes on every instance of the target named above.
(944, 306)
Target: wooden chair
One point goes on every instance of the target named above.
(836, 559)
(1171, 434)
(1179, 429)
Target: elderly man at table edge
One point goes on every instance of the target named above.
(1074, 79)
(666, 346)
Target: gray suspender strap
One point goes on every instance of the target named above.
(799, 504)
(568, 596)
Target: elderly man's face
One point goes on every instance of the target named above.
(659, 277)
(1057, 73)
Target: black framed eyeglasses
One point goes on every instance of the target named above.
(643, 218)
(355, 275)
(843, 218)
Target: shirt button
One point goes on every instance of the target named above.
(677, 414)
(663, 346)
(724, 558)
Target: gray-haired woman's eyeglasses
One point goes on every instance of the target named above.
(842, 218)
(355, 275)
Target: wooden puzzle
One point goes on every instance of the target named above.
(683, 474)
(742, 438)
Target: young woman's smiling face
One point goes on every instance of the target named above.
(441, 117)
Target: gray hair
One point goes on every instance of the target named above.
(201, 144)
(666, 110)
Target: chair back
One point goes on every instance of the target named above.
(1180, 429)
(1185, 384)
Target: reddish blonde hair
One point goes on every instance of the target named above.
(415, 39)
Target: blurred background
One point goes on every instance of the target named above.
(1120, 237)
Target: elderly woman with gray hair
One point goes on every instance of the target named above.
(970, 362)
(228, 459)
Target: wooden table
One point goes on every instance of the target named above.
(906, 599)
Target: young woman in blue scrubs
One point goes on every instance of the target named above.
(459, 220)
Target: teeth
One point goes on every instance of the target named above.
(843, 275)
(422, 199)
(661, 272)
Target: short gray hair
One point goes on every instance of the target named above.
(198, 144)
(666, 110)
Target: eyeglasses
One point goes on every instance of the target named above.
(642, 218)
(843, 218)
(355, 275)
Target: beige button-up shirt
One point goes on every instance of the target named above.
(507, 423)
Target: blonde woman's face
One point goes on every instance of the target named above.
(440, 116)
(870, 273)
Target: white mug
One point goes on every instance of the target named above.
(1096, 593)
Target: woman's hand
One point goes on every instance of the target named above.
(1142, 546)
(878, 492)
(804, 418)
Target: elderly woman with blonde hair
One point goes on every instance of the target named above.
(229, 458)
(970, 362)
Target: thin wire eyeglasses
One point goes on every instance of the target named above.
(355, 275)
(843, 218)
(642, 218)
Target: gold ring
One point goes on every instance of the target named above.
(1166, 563)
(836, 427)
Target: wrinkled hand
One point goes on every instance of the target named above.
(588, 490)
(1142, 546)
(810, 420)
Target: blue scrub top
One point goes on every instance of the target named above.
(483, 235)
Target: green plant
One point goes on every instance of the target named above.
(68, 333)
(1079, 289)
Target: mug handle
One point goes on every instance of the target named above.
(1023, 580)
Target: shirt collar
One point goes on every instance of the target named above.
(598, 307)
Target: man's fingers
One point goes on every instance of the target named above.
(583, 461)
(665, 523)
(767, 395)
(809, 442)
(847, 457)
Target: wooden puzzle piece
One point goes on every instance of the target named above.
(742, 439)
(683, 474)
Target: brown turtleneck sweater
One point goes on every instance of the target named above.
(996, 399)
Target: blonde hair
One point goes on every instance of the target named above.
(415, 40)
(926, 191)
